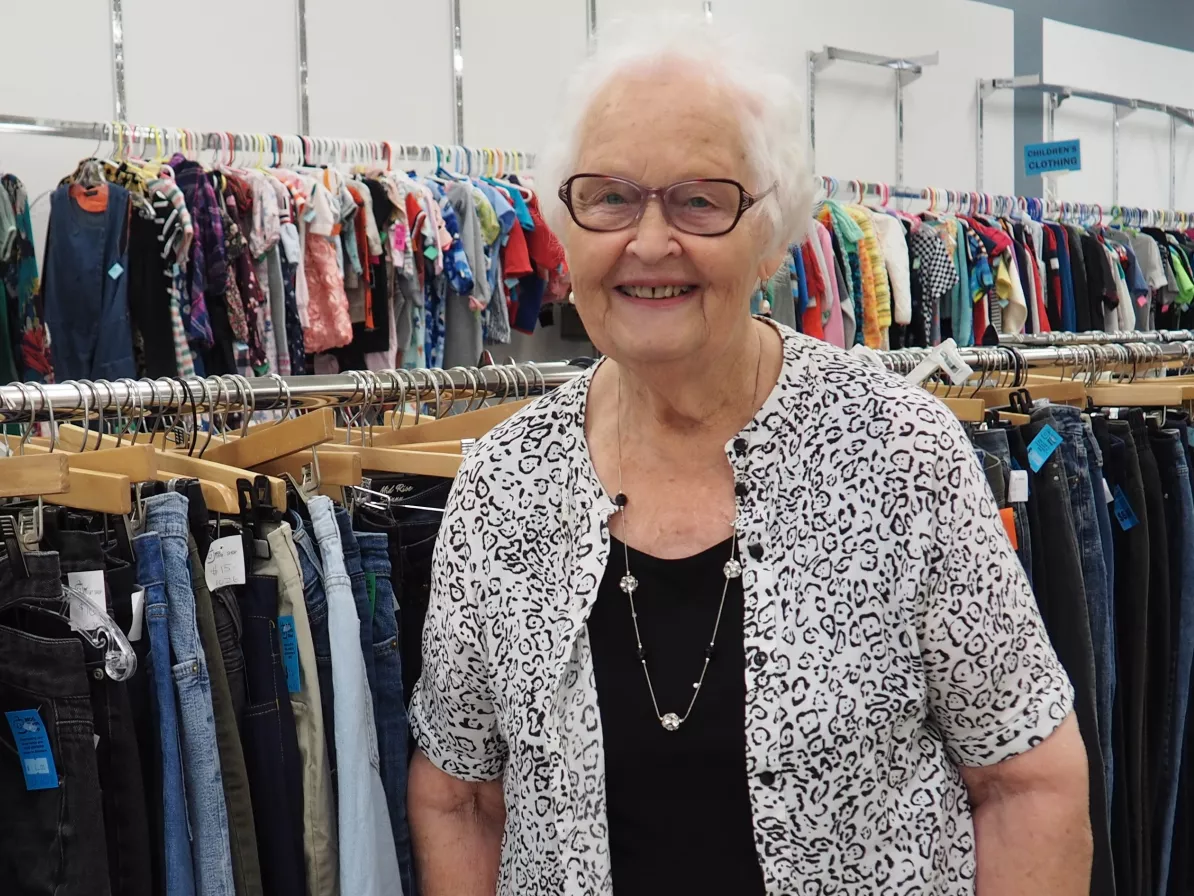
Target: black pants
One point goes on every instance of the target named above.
(1062, 601)
(1133, 570)
(117, 748)
(51, 841)
(271, 745)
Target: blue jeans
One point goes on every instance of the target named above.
(1084, 505)
(368, 860)
(151, 575)
(360, 593)
(316, 600)
(1094, 457)
(389, 704)
(1171, 457)
(166, 515)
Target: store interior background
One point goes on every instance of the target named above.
(382, 70)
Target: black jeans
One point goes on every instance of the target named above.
(1133, 570)
(51, 841)
(271, 745)
(117, 748)
(1062, 601)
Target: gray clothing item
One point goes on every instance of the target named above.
(8, 226)
(1149, 257)
(497, 313)
(277, 306)
(462, 325)
(779, 288)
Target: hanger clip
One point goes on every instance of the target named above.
(12, 547)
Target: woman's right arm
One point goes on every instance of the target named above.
(456, 828)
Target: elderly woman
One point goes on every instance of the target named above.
(732, 613)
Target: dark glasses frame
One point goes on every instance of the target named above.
(745, 201)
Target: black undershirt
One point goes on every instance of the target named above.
(678, 805)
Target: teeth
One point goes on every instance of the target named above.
(656, 292)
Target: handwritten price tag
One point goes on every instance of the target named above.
(225, 563)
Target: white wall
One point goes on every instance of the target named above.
(1163, 75)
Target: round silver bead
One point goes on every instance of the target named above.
(732, 569)
(628, 584)
(670, 722)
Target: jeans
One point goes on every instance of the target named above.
(1062, 600)
(412, 541)
(311, 569)
(995, 442)
(51, 841)
(271, 745)
(166, 514)
(319, 806)
(389, 704)
(368, 861)
(117, 753)
(360, 593)
(151, 573)
(1085, 505)
(1132, 581)
(1098, 485)
(1170, 452)
(242, 832)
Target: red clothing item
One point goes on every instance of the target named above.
(546, 251)
(1054, 273)
(1041, 312)
(516, 260)
(811, 319)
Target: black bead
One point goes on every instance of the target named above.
(642, 653)
(767, 778)
(620, 499)
(760, 659)
(756, 551)
(709, 652)
(740, 446)
(741, 489)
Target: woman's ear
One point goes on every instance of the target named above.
(770, 264)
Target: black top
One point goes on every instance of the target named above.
(678, 805)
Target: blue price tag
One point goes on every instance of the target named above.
(1042, 447)
(115, 271)
(1124, 513)
(33, 746)
(290, 656)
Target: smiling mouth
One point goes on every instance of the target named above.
(654, 292)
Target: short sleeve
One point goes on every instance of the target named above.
(452, 711)
(995, 685)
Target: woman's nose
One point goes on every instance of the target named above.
(653, 235)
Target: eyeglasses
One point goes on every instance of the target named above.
(704, 207)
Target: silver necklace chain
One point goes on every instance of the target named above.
(629, 584)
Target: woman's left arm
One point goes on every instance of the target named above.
(1032, 819)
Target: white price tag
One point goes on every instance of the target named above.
(86, 615)
(1107, 493)
(1017, 492)
(1054, 264)
(136, 627)
(225, 563)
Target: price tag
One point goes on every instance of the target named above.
(371, 589)
(1107, 492)
(1042, 447)
(136, 626)
(1055, 264)
(33, 747)
(1017, 492)
(1123, 510)
(290, 654)
(115, 271)
(225, 563)
(87, 614)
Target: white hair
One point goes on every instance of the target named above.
(769, 107)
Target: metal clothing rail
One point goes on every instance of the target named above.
(1097, 337)
(1090, 358)
(298, 147)
(232, 393)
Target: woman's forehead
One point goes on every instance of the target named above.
(662, 121)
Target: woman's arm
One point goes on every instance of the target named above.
(456, 828)
(1032, 819)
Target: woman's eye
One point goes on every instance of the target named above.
(699, 202)
(613, 199)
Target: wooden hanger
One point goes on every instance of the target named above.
(1148, 395)
(137, 462)
(269, 441)
(30, 475)
(469, 425)
(336, 468)
(396, 460)
(968, 410)
(218, 482)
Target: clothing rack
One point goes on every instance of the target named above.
(1096, 337)
(309, 150)
(972, 202)
(19, 401)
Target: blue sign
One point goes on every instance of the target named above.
(1046, 158)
